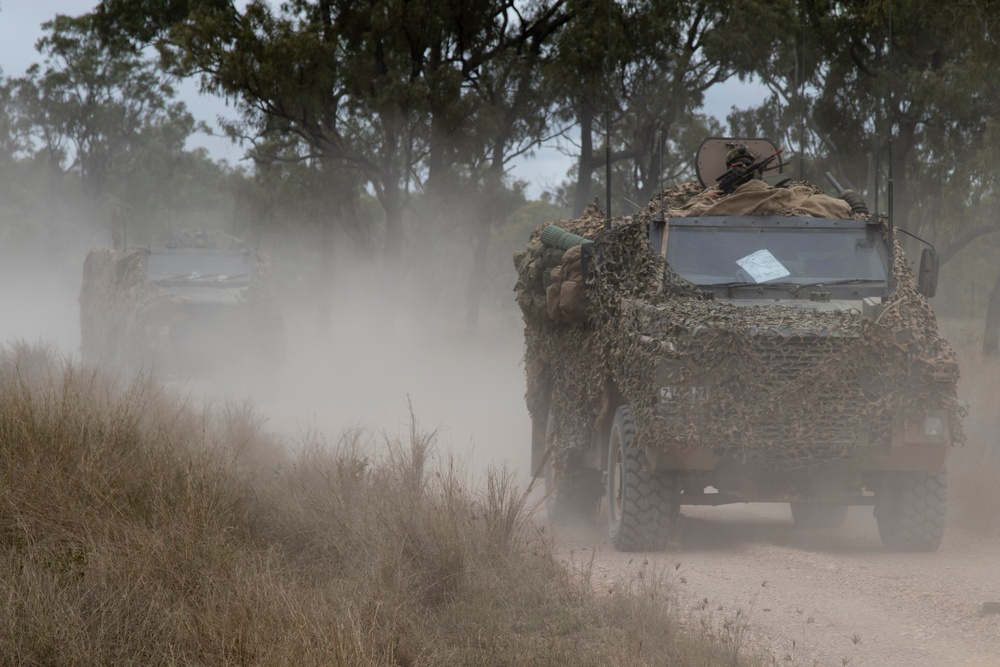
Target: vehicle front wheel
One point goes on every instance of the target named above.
(640, 507)
(910, 509)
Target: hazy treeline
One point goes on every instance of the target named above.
(389, 128)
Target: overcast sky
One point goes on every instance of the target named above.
(20, 29)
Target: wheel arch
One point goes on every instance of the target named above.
(611, 400)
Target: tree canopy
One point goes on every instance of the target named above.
(396, 122)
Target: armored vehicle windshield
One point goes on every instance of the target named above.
(198, 265)
(778, 251)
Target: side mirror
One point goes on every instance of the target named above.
(927, 275)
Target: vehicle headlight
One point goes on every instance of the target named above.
(934, 426)
(932, 429)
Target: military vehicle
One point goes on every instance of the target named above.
(194, 306)
(741, 339)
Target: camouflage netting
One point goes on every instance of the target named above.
(805, 386)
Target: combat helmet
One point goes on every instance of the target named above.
(740, 155)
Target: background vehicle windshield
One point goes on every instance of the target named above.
(198, 265)
(713, 255)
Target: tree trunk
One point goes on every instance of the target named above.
(494, 194)
(991, 334)
(392, 244)
(901, 149)
(649, 163)
(388, 273)
(474, 288)
(323, 295)
(585, 171)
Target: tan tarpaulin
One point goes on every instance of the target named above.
(759, 198)
(566, 298)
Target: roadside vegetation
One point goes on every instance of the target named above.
(139, 528)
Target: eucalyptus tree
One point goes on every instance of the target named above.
(905, 88)
(678, 51)
(311, 81)
(643, 66)
(376, 87)
(510, 116)
(849, 95)
(11, 139)
(95, 116)
(506, 115)
(579, 77)
(13, 222)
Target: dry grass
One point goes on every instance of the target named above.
(137, 529)
(974, 468)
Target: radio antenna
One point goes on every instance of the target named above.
(800, 65)
(607, 129)
(659, 169)
(888, 193)
(878, 172)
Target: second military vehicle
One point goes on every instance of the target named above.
(188, 308)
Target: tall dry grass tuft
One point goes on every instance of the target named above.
(973, 469)
(139, 528)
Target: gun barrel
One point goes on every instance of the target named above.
(768, 160)
(834, 183)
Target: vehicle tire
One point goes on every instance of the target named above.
(640, 507)
(818, 515)
(572, 494)
(910, 509)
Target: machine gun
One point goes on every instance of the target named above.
(736, 176)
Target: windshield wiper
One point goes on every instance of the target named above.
(794, 287)
(188, 277)
(829, 283)
(729, 287)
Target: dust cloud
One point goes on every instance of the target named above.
(40, 287)
(370, 368)
(367, 365)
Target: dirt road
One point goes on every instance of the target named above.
(824, 597)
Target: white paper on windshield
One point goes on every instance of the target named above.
(763, 266)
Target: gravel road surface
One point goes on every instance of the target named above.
(830, 597)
